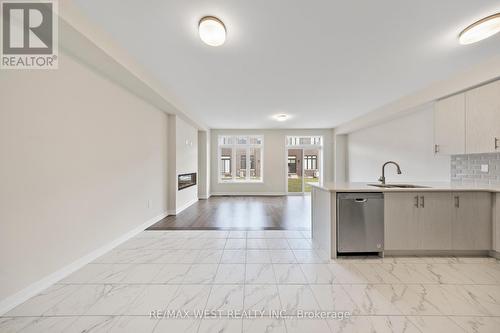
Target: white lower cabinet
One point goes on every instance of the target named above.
(437, 221)
(472, 221)
(496, 223)
(400, 221)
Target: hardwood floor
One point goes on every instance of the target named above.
(243, 213)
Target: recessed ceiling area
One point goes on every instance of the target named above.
(323, 63)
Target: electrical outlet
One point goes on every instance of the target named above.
(484, 167)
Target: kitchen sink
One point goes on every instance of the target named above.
(398, 186)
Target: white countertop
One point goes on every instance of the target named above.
(432, 187)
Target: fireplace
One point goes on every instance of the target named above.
(186, 180)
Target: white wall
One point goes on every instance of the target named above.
(408, 140)
(274, 163)
(183, 143)
(203, 164)
(340, 159)
(80, 159)
(172, 165)
(186, 161)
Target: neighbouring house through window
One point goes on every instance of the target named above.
(311, 162)
(292, 164)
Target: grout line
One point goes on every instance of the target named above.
(288, 316)
(320, 284)
(244, 280)
(212, 288)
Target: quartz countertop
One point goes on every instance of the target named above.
(431, 187)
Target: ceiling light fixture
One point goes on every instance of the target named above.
(480, 30)
(212, 31)
(281, 117)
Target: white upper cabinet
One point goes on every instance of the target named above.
(483, 119)
(449, 125)
(469, 122)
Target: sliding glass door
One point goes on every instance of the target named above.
(311, 168)
(294, 178)
(303, 158)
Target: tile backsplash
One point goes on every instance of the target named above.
(467, 169)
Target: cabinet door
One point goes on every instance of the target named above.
(434, 217)
(483, 118)
(400, 223)
(496, 223)
(471, 221)
(449, 125)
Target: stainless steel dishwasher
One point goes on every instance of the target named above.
(360, 222)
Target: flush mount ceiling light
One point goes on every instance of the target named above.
(212, 31)
(480, 30)
(281, 117)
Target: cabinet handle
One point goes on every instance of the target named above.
(436, 149)
(496, 143)
(416, 201)
(457, 201)
(422, 202)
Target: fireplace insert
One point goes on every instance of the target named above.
(186, 180)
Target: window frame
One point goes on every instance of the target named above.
(294, 141)
(248, 163)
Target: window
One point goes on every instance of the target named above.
(246, 152)
(226, 164)
(255, 163)
(311, 162)
(241, 160)
(304, 140)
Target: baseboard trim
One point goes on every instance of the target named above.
(437, 253)
(180, 209)
(495, 254)
(35, 288)
(204, 197)
(253, 194)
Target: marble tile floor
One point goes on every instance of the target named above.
(253, 272)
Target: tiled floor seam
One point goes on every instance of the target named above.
(211, 287)
(264, 315)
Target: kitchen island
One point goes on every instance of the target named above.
(432, 219)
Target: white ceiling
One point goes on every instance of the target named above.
(322, 62)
